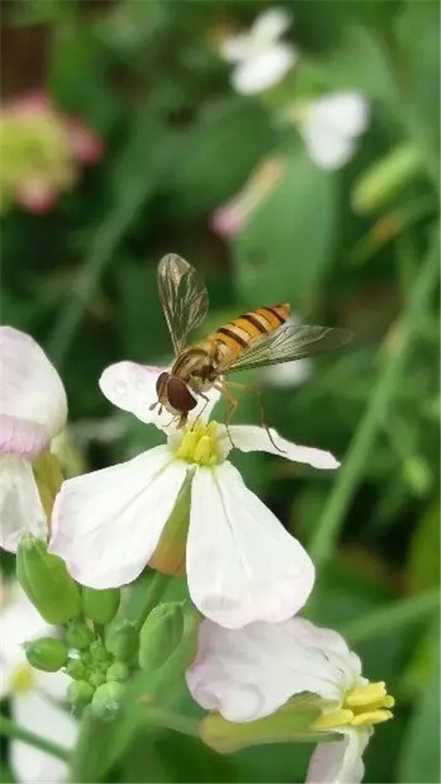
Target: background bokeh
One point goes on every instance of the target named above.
(355, 247)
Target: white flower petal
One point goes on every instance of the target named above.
(263, 69)
(236, 47)
(20, 505)
(132, 387)
(328, 148)
(271, 24)
(36, 713)
(249, 673)
(339, 762)
(106, 524)
(345, 113)
(287, 374)
(33, 405)
(251, 438)
(242, 565)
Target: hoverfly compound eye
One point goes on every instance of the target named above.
(179, 395)
(161, 383)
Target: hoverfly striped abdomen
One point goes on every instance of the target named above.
(240, 334)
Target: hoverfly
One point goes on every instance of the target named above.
(260, 337)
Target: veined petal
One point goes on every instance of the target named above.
(249, 673)
(132, 387)
(106, 524)
(21, 509)
(33, 405)
(242, 565)
(339, 762)
(251, 438)
(263, 69)
(32, 710)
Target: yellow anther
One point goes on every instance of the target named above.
(328, 721)
(371, 717)
(199, 445)
(22, 679)
(365, 695)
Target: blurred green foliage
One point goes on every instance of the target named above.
(178, 143)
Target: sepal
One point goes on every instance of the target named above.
(100, 605)
(46, 653)
(46, 582)
(160, 635)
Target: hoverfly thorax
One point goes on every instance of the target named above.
(175, 396)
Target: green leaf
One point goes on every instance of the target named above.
(286, 248)
(213, 165)
(420, 758)
(423, 566)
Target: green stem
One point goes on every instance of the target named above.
(10, 729)
(161, 717)
(350, 474)
(395, 615)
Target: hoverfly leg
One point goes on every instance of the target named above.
(153, 406)
(232, 403)
(264, 424)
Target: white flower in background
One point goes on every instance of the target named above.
(241, 564)
(251, 673)
(34, 696)
(261, 58)
(33, 409)
(331, 125)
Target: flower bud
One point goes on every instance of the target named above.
(46, 582)
(97, 677)
(107, 700)
(386, 177)
(79, 695)
(100, 606)
(76, 669)
(46, 653)
(118, 671)
(78, 634)
(160, 635)
(122, 640)
(49, 478)
(98, 653)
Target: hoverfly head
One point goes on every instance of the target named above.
(175, 396)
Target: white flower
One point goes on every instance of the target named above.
(242, 565)
(34, 695)
(261, 58)
(33, 409)
(251, 673)
(331, 126)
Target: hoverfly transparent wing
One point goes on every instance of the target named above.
(290, 342)
(183, 296)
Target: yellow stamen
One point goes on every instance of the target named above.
(199, 445)
(371, 717)
(365, 695)
(333, 719)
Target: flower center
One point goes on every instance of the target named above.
(362, 706)
(22, 679)
(199, 444)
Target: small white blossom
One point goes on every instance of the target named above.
(250, 673)
(241, 564)
(33, 409)
(261, 58)
(35, 696)
(331, 125)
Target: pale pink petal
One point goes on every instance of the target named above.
(228, 220)
(85, 146)
(264, 69)
(106, 524)
(251, 438)
(36, 713)
(33, 405)
(242, 565)
(21, 510)
(36, 102)
(339, 762)
(249, 673)
(36, 195)
(132, 387)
